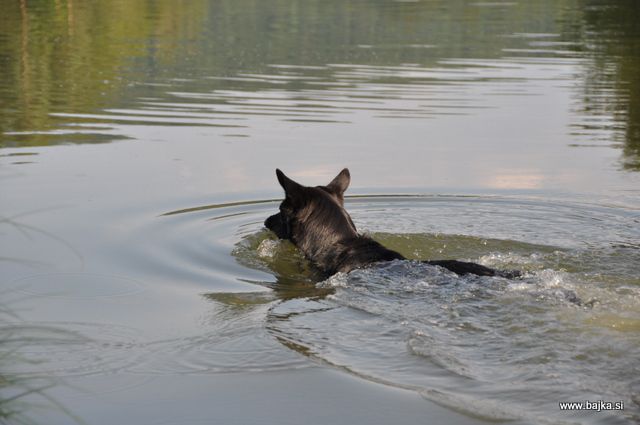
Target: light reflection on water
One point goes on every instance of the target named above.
(537, 101)
(395, 50)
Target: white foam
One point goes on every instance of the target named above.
(268, 248)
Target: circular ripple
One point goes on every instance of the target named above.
(58, 349)
(77, 285)
(236, 342)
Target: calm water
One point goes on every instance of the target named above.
(138, 142)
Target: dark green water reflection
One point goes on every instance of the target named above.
(612, 83)
(78, 57)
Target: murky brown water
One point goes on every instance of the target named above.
(115, 113)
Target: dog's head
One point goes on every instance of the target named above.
(312, 213)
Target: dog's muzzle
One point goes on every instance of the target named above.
(278, 225)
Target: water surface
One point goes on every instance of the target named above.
(138, 142)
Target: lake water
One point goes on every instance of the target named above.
(138, 143)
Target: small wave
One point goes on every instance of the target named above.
(470, 341)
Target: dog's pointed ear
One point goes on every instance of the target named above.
(291, 188)
(340, 183)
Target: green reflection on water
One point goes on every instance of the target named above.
(77, 57)
(612, 29)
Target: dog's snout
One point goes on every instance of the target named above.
(270, 222)
(277, 225)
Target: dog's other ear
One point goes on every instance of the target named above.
(291, 188)
(340, 183)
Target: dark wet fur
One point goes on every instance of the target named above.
(314, 219)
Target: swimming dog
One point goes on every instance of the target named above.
(314, 220)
